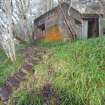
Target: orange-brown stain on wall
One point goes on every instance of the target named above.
(53, 34)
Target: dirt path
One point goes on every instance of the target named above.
(33, 55)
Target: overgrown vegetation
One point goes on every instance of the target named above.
(76, 72)
(83, 74)
(7, 67)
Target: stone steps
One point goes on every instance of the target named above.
(32, 56)
(20, 75)
(13, 83)
(5, 92)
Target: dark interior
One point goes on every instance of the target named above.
(93, 27)
(42, 27)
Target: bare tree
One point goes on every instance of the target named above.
(24, 26)
(6, 36)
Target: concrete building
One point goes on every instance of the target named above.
(51, 25)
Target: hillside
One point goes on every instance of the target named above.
(73, 72)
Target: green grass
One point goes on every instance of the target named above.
(84, 74)
(7, 68)
(79, 72)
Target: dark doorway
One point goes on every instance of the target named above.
(41, 31)
(93, 27)
(42, 27)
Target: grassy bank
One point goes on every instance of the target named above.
(77, 74)
(83, 71)
(7, 67)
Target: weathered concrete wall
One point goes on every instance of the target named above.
(53, 34)
(84, 34)
(75, 19)
(52, 29)
(100, 26)
(55, 26)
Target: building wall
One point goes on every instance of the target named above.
(55, 24)
(52, 29)
(74, 21)
(101, 26)
(84, 34)
(53, 32)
